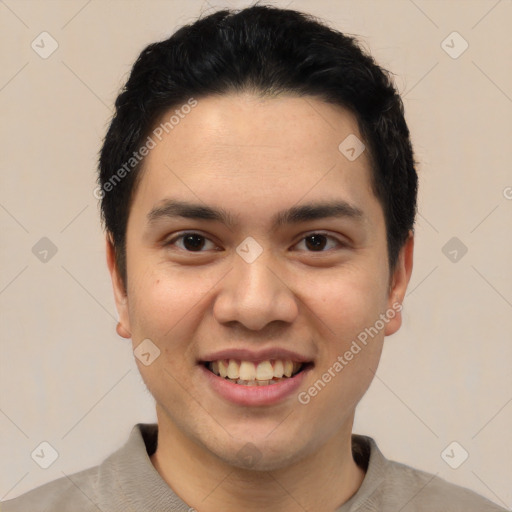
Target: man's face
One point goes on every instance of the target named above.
(299, 291)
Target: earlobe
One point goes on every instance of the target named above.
(399, 283)
(120, 295)
(120, 329)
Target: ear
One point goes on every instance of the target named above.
(123, 327)
(398, 286)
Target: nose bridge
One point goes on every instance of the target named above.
(254, 295)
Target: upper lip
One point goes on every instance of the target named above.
(245, 354)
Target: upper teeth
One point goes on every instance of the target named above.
(247, 370)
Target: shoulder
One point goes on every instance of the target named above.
(72, 493)
(96, 488)
(419, 491)
(390, 486)
(109, 486)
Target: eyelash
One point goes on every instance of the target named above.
(187, 233)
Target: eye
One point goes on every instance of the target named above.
(194, 242)
(316, 242)
(191, 241)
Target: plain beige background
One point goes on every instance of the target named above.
(68, 379)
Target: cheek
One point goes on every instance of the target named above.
(348, 301)
(168, 307)
(164, 310)
(159, 303)
(347, 311)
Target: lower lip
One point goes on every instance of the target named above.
(254, 395)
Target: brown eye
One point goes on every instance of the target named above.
(193, 242)
(316, 242)
(190, 242)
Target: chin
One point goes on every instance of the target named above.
(261, 455)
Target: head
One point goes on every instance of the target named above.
(243, 116)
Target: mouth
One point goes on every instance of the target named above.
(252, 373)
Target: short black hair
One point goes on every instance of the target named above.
(268, 51)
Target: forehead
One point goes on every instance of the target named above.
(256, 155)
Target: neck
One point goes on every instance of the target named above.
(323, 480)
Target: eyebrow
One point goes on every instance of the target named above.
(171, 208)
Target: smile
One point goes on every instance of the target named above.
(249, 373)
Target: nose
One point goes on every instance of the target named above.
(255, 294)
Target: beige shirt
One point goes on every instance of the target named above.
(127, 482)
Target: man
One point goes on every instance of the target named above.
(259, 192)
